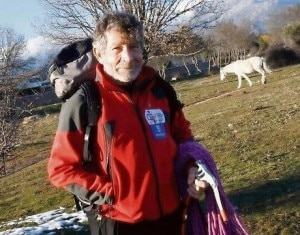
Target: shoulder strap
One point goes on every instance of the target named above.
(93, 101)
(94, 107)
(171, 95)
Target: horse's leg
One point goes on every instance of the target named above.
(263, 77)
(239, 81)
(247, 78)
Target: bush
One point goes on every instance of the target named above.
(281, 56)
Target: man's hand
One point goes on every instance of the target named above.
(195, 187)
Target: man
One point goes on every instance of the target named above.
(132, 175)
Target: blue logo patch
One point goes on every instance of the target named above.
(156, 119)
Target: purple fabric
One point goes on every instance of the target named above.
(210, 222)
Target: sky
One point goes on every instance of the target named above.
(20, 14)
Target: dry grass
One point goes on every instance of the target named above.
(253, 134)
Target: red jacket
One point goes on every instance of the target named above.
(132, 173)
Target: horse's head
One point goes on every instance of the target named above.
(222, 74)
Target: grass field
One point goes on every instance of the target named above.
(253, 134)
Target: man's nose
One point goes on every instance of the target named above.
(127, 54)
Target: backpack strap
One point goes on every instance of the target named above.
(93, 101)
(92, 216)
(171, 95)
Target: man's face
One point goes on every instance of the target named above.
(122, 58)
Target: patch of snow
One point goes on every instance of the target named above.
(47, 223)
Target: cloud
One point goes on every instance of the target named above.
(40, 48)
(37, 46)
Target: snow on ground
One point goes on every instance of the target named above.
(51, 223)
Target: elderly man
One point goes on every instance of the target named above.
(132, 175)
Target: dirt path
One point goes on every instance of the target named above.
(216, 97)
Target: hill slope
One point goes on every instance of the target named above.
(253, 134)
(255, 11)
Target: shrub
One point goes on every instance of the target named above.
(281, 56)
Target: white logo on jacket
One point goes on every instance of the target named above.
(156, 120)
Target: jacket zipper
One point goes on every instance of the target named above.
(109, 160)
(109, 168)
(137, 110)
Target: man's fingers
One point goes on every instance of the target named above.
(201, 184)
(196, 190)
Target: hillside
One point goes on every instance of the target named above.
(255, 11)
(253, 134)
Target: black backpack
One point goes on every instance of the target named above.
(73, 68)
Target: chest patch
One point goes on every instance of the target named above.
(156, 120)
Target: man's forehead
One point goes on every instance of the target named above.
(117, 36)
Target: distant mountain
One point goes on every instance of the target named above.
(256, 11)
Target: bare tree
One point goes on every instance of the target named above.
(174, 48)
(11, 48)
(229, 42)
(164, 21)
(281, 25)
(292, 32)
(210, 49)
(196, 63)
(11, 63)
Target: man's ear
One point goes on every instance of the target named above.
(97, 54)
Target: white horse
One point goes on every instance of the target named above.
(243, 67)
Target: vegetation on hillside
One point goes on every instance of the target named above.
(253, 134)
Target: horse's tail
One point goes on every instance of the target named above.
(266, 68)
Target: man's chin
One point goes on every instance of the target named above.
(124, 82)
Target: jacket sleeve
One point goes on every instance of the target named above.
(65, 166)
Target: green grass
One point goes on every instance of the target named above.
(28, 192)
(253, 134)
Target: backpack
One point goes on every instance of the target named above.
(73, 68)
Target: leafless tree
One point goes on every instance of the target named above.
(283, 25)
(11, 48)
(185, 65)
(229, 42)
(292, 34)
(165, 21)
(196, 63)
(11, 63)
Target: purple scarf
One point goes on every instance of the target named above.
(211, 222)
